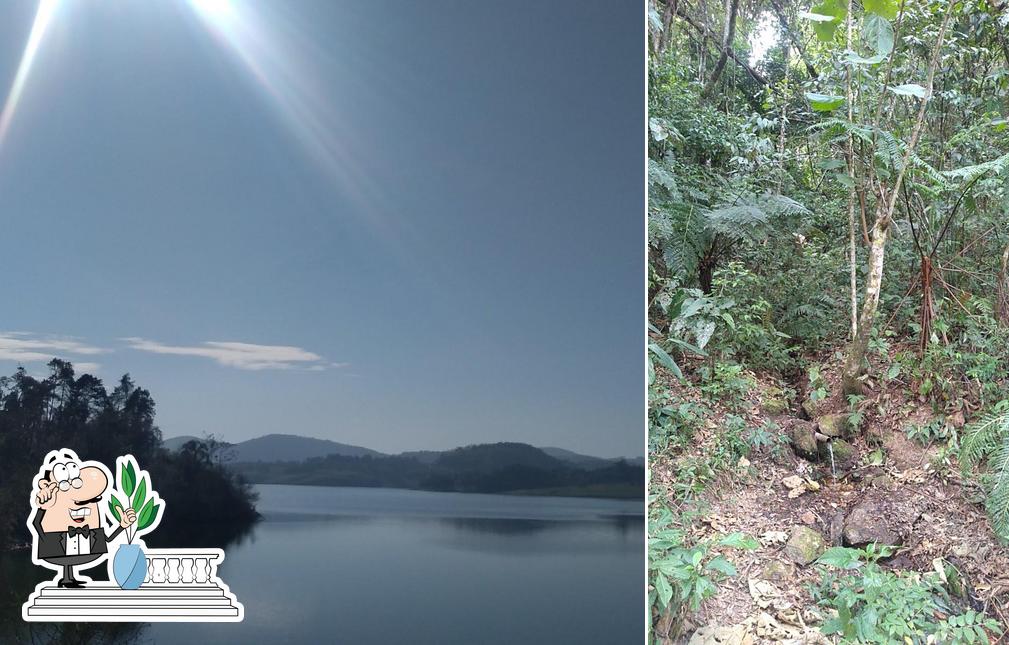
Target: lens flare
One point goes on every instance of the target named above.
(283, 72)
(43, 16)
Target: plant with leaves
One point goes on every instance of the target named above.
(987, 439)
(874, 605)
(133, 485)
(681, 576)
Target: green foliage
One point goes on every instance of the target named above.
(875, 605)
(987, 437)
(681, 576)
(727, 384)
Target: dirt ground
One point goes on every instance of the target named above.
(921, 495)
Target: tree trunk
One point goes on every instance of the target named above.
(851, 382)
(731, 9)
(1002, 292)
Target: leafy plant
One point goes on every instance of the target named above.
(875, 605)
(133, 485)
(681, 576)
(988, 438)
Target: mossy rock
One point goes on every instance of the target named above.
(804, 545)
(845, 455)
(811, 407)
(774, 406)
(777, 571)
(802, 435)
(834, 425)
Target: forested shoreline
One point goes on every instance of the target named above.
(828, 305)
(206, 504)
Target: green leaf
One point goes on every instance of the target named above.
(840, 557)
(739, 541)
(825, 29)
(665, 359)
(129, 477)
(147, 515)
(824, 102)
(885, 8)
(721, 565)
(908, 89)
(141, 495)
(663, 589)
(115, 506)
(878, 32)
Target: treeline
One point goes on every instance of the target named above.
(488, 468)
(205, 503)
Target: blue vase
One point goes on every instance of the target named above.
(129, 566)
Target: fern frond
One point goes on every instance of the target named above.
(970, 173)
(997, 501)
(982, 437)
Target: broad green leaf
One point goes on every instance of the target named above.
(908, 89)
(840, 557)
(816, 17)
(855, 59)
(885, 8)
(721, 565)
(665, 359)
(824, 102)
(141, 495)
(148, 514)
(129, 477)
(115, 506)
(663, 589)
(739, 541)
(878, 32)
(825, 29)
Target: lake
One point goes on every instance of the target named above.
(367, 565)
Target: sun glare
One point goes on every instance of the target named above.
(43, 16)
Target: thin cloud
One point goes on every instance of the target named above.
(244, 356)
(27, 347)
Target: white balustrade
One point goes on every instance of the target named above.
(181, 566)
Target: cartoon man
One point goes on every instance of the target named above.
(67, 522)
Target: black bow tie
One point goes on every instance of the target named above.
(82, 530)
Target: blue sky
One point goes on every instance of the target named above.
(401, 225)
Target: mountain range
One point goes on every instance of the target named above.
(504, 467)
(289, 447)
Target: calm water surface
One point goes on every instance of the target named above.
(360, 565)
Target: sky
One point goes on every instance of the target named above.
(400, 225)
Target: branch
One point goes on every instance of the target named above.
(704, 31)
(731, 9)
(795, 39)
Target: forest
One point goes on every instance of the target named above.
(828, 305)
(206, 505)
(504, 467)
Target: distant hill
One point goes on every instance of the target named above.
(281, 447)
(289, 447)
(504, 467)
(490, 457)
(583, 461)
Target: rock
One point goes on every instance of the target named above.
(774, 407)
(804, 545)
(719, 635)
(837, 529)
(867, 523)
(802, 436)
(833, 425)
(777, 571)
(811, 407)
(883, 481)
(844, 454)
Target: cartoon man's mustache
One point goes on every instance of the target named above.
(89, 501)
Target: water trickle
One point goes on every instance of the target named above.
(833, 470)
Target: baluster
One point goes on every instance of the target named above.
(187, 570)
(201, 570)
(173, 570)
(158, 575)
(147, 576)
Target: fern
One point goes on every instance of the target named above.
(989, 437)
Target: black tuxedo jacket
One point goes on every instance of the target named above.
(54, 545)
